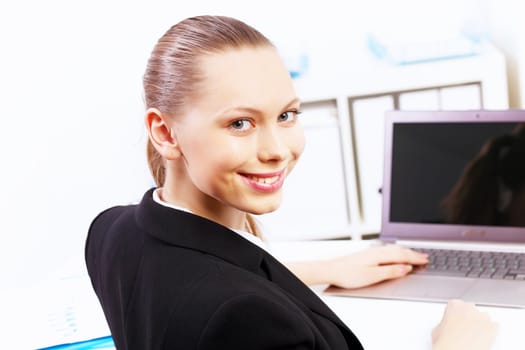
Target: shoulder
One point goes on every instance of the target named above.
(103, 238)
(105, 219)
(118, 217)
(103, 223)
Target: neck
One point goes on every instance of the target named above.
(252, 226)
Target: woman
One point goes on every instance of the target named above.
(183, 269)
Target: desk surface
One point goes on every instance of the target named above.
(67, 310)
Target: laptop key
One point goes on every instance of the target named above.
(500, 273)
(474, 273)
(487, 273)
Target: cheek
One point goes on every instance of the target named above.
(217, 155)
(296, 141)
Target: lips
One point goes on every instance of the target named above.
(267, 182)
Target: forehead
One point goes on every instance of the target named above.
(245, 76)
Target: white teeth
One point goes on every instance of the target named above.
(265, 180)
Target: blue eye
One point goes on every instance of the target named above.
(241, 124)
(288, 116)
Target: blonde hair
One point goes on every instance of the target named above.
(172, 75)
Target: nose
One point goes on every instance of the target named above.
(272, 145)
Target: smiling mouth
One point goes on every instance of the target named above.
(265, 182)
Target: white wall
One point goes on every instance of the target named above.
(71, 137)
(504, 23)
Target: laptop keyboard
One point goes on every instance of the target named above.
(476, 264)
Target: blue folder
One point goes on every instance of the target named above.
(104, 343)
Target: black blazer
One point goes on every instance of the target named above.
(168, 279)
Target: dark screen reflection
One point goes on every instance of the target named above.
(459, 173)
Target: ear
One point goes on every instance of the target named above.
(160, 134)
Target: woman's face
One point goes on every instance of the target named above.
(241, 137)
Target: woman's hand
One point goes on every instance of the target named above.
(373, 265)
(464, 327)
(360, 269)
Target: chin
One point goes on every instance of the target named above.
(259, 211)
(264, 208)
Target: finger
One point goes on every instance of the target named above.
(436, 332)
(386, 272)
(461, 305)
(391, 254)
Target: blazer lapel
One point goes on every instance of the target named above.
(191, 231)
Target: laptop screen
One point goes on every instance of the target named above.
(462, 174)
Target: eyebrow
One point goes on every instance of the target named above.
(255, 110)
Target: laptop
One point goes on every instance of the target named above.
(454, 187)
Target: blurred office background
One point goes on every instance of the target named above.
(71, 133)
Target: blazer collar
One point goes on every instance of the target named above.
(191, 231)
